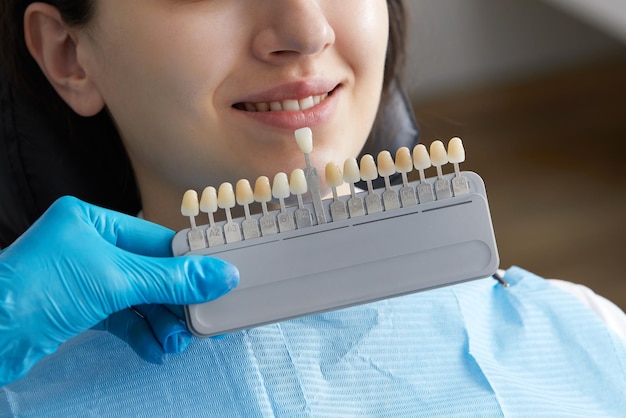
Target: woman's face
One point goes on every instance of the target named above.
(208, 91)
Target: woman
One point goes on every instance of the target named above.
(203, 92)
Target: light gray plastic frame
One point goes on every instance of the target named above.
(349, 262)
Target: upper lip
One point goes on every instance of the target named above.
(292, 90)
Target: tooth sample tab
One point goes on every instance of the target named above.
(387, 168)
(304, 138)
(351, 175)
(334, 179)
(208, 205)
(298, 187)
(245, 197)
(421, 161)
(190, 207)
(280, 190)
(404, 165)
(226, 201)
(263, 194)
(439, 157)
(369, 173)
(456, 155)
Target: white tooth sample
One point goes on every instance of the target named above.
(306, 103)
(280, 190)
(404, 165)
(369, 172)
(351, 172)
(456, 155)
(368, 168)
(290, 105)
(439, 157)
(298, 187)
(304, 139)
(334, 179)
(276, 106)
(190, 207)
(351, 175)
(297, 182)
(226, 201)
(421, 161)
(208, 205)
(263, 194)
(456, 152)
(245, 197)
(387, 168)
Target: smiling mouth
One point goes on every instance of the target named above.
(288, 105)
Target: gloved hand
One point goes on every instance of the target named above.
(80, 266)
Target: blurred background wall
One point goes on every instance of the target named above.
(537, 91)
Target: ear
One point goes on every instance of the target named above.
(54, 46)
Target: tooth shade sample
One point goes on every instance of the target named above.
(351, 173)
(304, 138)
(368, 168)
(226, 196)
(334, 177)
(208, 201)
(386, 166)
(438, 154)
(404, 163)
(244, 193)
(297, 182)
(456, 152)
(189, 206)
(262, 189)
(280, 186)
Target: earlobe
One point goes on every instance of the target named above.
(53, 46)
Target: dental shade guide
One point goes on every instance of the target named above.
(424, 241)
(208, 204)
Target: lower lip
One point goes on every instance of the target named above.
(292, 120)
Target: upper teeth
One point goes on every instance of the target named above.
(286, 105)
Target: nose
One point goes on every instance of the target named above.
(292, 28)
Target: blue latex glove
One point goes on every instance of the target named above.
(79, 267)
